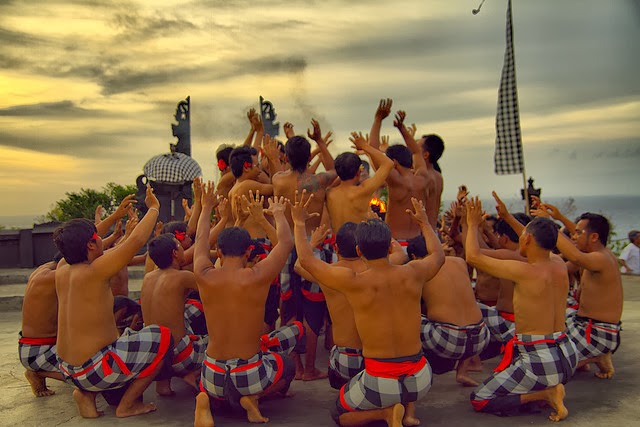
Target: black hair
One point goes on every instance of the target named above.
(596, 223)
(234, 241)
(503, 229)
(173, 226)
(298, 151)
(366, 166)
(71, 239)
(347, 165)
(346, 240)
(373, 238)
(417, 247)
(401, 154)
(238, 157)
(434, 145)
(257, 249)
(633, 234)
(161, 249)
(544, 232)
(522, 218)
(224, 152)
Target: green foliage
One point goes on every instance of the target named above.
(83, 203)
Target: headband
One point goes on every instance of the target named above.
(180, 235)
(222, 165)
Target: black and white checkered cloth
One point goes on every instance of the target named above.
(133, 355)
(508, 155)
(592, 337)
(172, 167)
(500, 328)
(194, 320)
(189, 353)
(229, 379)
(38, 357)
(538, 362)
(345, 361)
(452, 341)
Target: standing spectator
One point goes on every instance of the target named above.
(629, 258)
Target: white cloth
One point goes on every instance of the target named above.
(631, 255)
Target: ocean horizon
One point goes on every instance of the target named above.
(622, 211)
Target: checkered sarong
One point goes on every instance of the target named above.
(189, 353)
(285, 277)
(133, 355)
(346, 361)
(537, 362)
(452, 341)
(385, 382)
(572, 306)
(38, 354)
(194, 318)
(592, 337)
(500, 324)
(229, 379)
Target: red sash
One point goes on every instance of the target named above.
(508, 350)
(394, 370)
(38, 341)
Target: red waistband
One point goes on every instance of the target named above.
(38, 341)
(186, 352)
(508, 349)
(195, 303)
(313, 296)
(394, 370)
(507, 316)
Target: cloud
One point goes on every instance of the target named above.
(46, 109)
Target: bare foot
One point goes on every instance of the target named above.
(605, 364)
(38, 384)
(556, 400)
(475, 364)
(137, 408)
(192, 379)
(203, 417)
(395, 415)
(163, 388)
(584, 367)
(86, 403)
(410, 415)
(316, 374)
(462, 374)
(250, 404)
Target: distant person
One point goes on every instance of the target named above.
(37, 343)
(630, 256)
(432, 148)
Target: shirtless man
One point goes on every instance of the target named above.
(303, 299)
(452, 325)
(241, 365)
(91, 356)
(162, 298)
(541, 357)
(37, 343)
(432, 149)
(408, 178)
(385, 299)
(596, 327)
(349, 200)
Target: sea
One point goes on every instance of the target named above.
(622, 211)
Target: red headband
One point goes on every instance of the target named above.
(94, 238)
(262, 256)
(180, 235)
(248, 165)
(222, 165)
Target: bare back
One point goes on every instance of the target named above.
(434, 188)
(40, 304)
(449, 297)
(242, 189)
(403, 185)
(601, 291)
(162, 298)
(85, 313)
(347, 203)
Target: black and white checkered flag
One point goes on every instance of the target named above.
(508, 155)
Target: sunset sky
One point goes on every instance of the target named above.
(88, 88)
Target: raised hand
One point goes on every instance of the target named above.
(412, 130)
(327, 138)
(256, 123)
(209, 196)
(316, 135)
(254, 204)
(419, 214)
(551, 210)
(501, 208)
(474, 212)
(117, 229)
(299, 212)
(288, 130)
(240, 209)
(132, 222)
(384, 109)
(158, 230)
(384, 144)
(187, 209)
(98, 214)
(399, 120)
(150, 200)
(276, 205)
(250, 115)
(462, 194)
(270, 147)
(318, 236)
(359, 141)
(197, 188)
(223, 212)
(129, 200)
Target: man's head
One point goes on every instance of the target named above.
(179, 230)
(164, 248)
(417, 247)
(347, 165)
(400, 154)
(222, 156)
(298, 151)
(634, 237)
(346, 240)
(75, 238)
(373, 238)
(244, 159)
(542, 231)
(591, 228)
(233, 241)
(504, 231)
(257, 253)
(432, 149)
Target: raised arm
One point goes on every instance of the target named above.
(256, 122)
(255, 205)
(252, 129)
(271, 151)
(104, 225)
(277, 258)
(112, 261)
(419, 164)
(325, 156)
(383, 163)
(201, 259)
(383, 111)
(196, 209)
(503, 213)
(428, 266)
